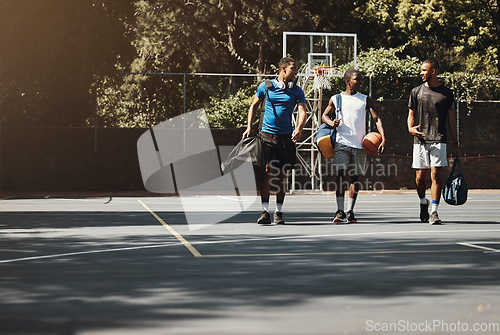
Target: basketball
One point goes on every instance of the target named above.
(371, 143)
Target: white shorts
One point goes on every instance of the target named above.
(429, 155)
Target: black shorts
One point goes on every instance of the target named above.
(282, 150)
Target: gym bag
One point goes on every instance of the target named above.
(455, 190)
(252, 148)
(324, 139)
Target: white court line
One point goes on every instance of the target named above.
(89, 199)
(86, 253)
(257, 239)
(477, 245)
(346, 234)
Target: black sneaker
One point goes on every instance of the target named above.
(278, 218)
(424, 212)
(350, 217)
(339, 217)
(264, 218)
(434, 220)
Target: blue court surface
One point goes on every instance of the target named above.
(125, 265)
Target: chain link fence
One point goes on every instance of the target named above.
(142, 100)
(127, 105)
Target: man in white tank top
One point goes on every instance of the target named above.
(350, 158)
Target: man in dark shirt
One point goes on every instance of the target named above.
(431, 109)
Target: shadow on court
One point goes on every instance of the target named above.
(241, 278)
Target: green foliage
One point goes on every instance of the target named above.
(52, 49)
(203, 36)
(64, 55)
(469, 87)
(393, 75)
(134, 103)
(231, 112)
(389, 69)
(144, 100)
(454, 32)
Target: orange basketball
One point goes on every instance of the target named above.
(371, 143)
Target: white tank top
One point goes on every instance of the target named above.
(352, 127)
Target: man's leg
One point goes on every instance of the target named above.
(341, 160)
(420, 181)
(284, 162)
(353, 195)
(357, 167)
(340, 187)
(438, 161)
(421, 162)
(436, 186)
(265, 187)
(280, 197)
(339, 192)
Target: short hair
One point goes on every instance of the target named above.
(285, 61)
(432, 62)
(349, 73)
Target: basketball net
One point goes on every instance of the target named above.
(322, 75)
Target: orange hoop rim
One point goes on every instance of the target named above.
(320, 70)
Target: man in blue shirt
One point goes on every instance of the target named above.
(278, 133)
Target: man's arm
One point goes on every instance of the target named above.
(452, 123)
(251, 113)
(411, 124)
(326, 115)
(378, 123)
(301, 121)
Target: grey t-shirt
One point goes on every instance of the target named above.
(431, 105)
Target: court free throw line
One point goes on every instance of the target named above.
(178, 236)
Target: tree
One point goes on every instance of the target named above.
(237, 36)
(461, 34)
(52, 49)
(493, 9)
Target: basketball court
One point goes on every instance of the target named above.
(136, 265)
(130, 265)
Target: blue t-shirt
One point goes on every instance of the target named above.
(279, 107)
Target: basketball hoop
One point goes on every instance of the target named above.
(323, 70)
(322, 75)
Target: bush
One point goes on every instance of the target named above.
(390, 71)
(231, 112)
(469, 87)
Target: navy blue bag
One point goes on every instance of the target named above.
(455, 190)
(324, 139)
(250, 147)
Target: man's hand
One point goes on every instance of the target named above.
(246, 133)
(381, 147)
(414, 131)
(336, 122)
(296, 135)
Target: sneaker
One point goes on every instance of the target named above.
(278, 218)
(435, 219)
(350, 217)
(424, 211)
(339, 217)
(264, 218)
